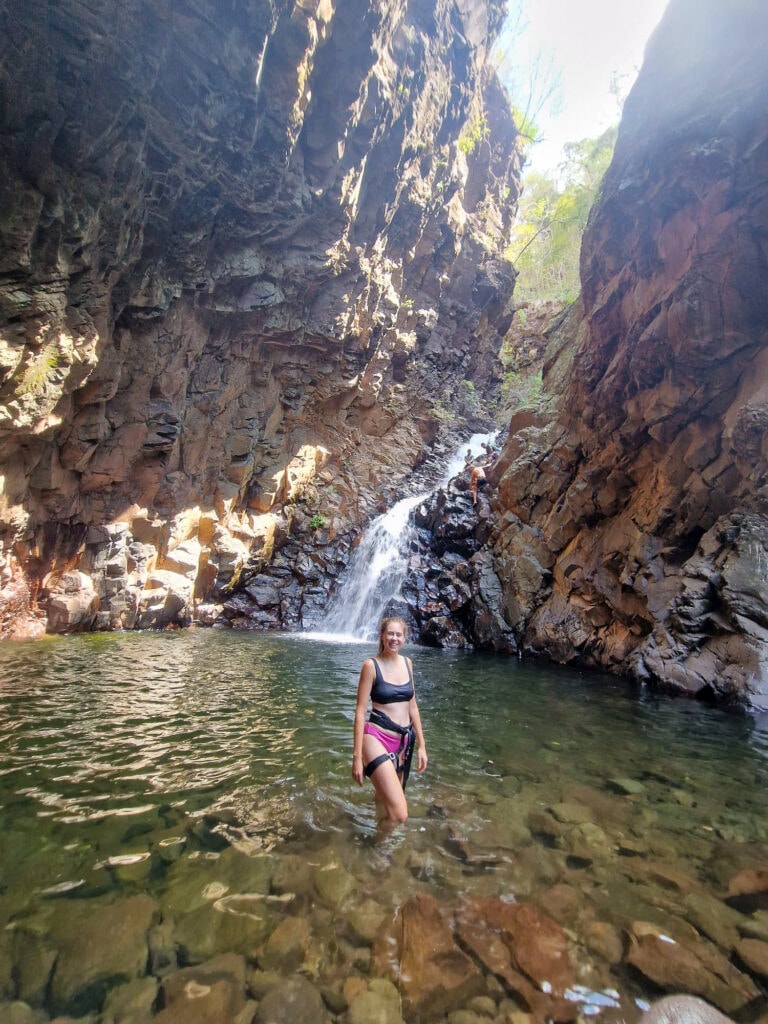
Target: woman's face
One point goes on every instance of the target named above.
(393, 636)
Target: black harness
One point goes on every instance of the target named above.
(401, 758)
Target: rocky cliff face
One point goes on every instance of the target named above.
(250, 255)
(634, 510)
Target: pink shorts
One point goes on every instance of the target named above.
(390, 743)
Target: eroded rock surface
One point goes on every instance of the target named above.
(633, 521)
(249, 254)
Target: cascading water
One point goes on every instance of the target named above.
(379, 564)
(376, 573)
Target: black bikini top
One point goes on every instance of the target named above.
(383, 692)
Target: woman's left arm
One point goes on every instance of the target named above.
(413, 707)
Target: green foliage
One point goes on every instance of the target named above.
(473, 135)
(35, 376)
(517, 390)
(552, 215)
(526, 126)
(469, 400)
(318, 521)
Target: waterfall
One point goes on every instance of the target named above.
(378, 566)
(375, 575)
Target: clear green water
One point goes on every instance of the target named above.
(123, 756)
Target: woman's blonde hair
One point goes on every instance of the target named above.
(385, 626)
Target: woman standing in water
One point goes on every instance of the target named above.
(383, 745)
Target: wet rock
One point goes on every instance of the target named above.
(420, 953)
(333, 883)
(247, 1014)
(683, 1009)
(748, 890)
(209, 993)
(376, 1006)
(31, 960)
(294, 1000)
(87, 967)
(755, 926)
(465, 1017)
(293, 874)
(506, 830)
(451, 589)
(354, 987)
(162, 949)
(586, 842)
(663, 875)
(754, 954)
(628, 787)
(543, 823)
(603, 939)
(525, 949)
(131, 1003)
(563, 904)
(286, 947)
(365, 921)
(482, 1005)
(571, 813)
(240, 924)
(19, 1012)
(690, 965)
(260, 982)
(713, 918)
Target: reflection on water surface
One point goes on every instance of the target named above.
(195, 787)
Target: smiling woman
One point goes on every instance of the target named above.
(383, 746)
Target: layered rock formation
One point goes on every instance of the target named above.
(634, 509)
(251, 255)
(251, 266)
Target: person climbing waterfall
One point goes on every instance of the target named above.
(383, 745)
(476, 478)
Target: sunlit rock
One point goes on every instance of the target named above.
(683, 1009)
(693, 966)
(523, 947)
(642, 478)
(420, 954)
(71, 602)
(249, 310)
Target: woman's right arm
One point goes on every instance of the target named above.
(364, 687)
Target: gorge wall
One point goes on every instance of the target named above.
(250, 262)
(634, 509)
(252, 276)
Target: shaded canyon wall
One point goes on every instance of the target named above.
(250, 255)
(633, 510)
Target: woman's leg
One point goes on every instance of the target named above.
(390, 798)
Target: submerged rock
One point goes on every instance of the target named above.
(683, 1009)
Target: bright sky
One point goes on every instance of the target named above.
(585, 43)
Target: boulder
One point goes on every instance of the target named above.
(71, 602)
(420, 954)
(88, 965)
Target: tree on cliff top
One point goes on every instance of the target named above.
(551, 218)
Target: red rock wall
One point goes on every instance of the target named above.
(636, 535)
(240, 246)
